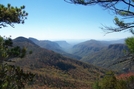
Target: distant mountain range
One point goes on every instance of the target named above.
(91, 46)
(63, 44)
(58, 46)
(54, 70)
(72, 65)
(47, 44)
(99, 53)
(106, 56)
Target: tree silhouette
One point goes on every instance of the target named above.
(10, 15)
(12, 77)
(123, 8)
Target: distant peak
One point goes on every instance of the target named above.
(31, 38)
(20, 38)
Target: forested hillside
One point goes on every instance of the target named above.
(87, 47)
(54, 46)
(98, 53)
(28, 63)
(106, 56)
(54, 70)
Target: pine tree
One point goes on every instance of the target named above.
(12, 77)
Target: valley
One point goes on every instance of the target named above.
(55, 70)
(57, 64)
(59, 46)
(96, 52)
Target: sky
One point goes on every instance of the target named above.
(59, 20)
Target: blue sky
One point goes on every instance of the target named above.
(58, 20)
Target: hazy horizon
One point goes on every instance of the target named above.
(73, 41)
(57, 20)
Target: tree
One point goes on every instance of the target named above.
(111, 81)
(12, 77)
(10, 15)
(123, 8)
(130, 42)
(8, 51)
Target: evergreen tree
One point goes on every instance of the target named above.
(130, 44)
(123, 8)
(12, 77)
(10, 15)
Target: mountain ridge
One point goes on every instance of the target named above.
(107, 55)
(87, 47)
(54, 70)
(50, 45)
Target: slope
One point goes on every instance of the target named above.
(47, 44)
(54, 47)
(54, 70)
(65, 46)
(87, 47)
(106, 56)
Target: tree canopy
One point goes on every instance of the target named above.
(123, 8)
(10, 15)
(12, 77)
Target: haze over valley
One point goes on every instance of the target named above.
(66, 44)
(73, 66)
(96, 52)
